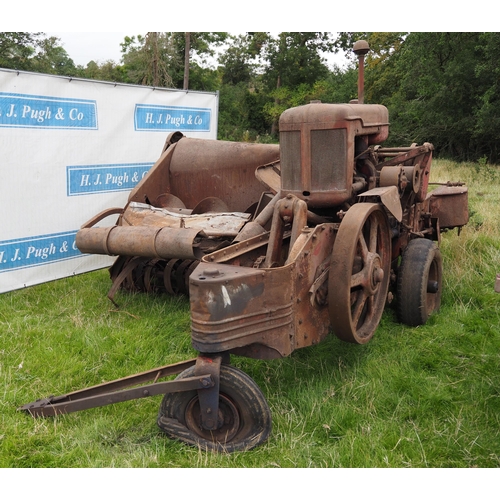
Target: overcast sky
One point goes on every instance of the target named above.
(85, 47)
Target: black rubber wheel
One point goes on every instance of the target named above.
(244, 415)
(419, 282)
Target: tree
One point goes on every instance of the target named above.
(242, 96)
(187, 51)
(292, 63)
(35, 52)
(149, 60)
(108, 71)
(487, 115)
(292, 58)
(17, 49)
(52, 58)
(237, 63)
(161, 58)
(195, 48)
(438, 91)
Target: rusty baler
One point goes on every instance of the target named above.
(276, 247)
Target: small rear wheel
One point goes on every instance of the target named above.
(244, 419)
(419, 282)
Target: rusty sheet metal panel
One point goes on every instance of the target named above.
(312, 252)
(389, 197)
(233, 307)
(368, 119)
(194, 169)
(450, 205)
(203, 168)
(276, 309)
(211, 224)
(156, 183)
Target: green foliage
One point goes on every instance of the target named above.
(108, 71)
(438, 89)
(203, 44)
(236, 62)
(17, 49)
(52, 58)
(150, 60)
(203, 78)
(158, 59)
(292, 58)
(285, 98)
(35, 52)
(441, 88)
(340, 86)
(487, 113)
(382, 44)
(241, 114)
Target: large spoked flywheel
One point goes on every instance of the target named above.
(359, 273)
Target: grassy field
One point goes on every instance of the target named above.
(412, 397)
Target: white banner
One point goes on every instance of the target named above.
(71, 148)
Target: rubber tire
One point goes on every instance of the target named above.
(254, 414)
(420, 263)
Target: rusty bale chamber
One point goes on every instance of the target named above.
(164, 217)
(195, 169)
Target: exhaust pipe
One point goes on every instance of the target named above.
(361, 48)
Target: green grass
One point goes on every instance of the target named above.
(412, 397)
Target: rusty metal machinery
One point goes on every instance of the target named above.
(194, 200)
(277, 246)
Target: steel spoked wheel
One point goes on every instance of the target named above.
(419, 282)
(244, 419)
(359, 273)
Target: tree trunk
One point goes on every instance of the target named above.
(153, 39)
(274, 126)
(186, 60)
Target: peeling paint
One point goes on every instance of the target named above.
(225, 296)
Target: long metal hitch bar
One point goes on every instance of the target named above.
(116, 392)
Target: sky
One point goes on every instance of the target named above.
(85, 47)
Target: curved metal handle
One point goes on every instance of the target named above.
(102, 215)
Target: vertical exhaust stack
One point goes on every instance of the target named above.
(361, 48)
